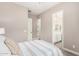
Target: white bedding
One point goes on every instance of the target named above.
(39, 48)
(3, 48)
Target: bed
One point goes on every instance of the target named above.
(39, 48)
(3, 48)
(9, 47)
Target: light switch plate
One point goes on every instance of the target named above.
(73, 46)
(25, 31)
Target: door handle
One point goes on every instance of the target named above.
(30, 32)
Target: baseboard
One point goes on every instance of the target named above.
(71, 51)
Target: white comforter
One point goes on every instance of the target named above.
(39, 48)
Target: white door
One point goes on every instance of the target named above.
(57, 23)
(38, 28)
(29, 28)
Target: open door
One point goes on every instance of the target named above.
(57, 29)
(38, 27)
(29, 28)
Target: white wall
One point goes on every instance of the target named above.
(14, 19)
(71, 26)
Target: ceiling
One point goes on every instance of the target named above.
(37, 7)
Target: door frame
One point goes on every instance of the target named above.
(62, 27)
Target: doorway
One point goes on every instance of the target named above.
(29, 28)
(57, 27)
(38, 27)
